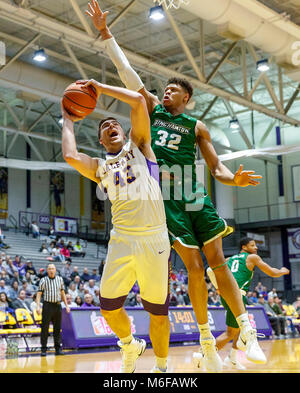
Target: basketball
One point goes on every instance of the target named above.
(79, 100)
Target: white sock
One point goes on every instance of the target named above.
(205, 331)
(233, 354)
(244, 322)
(126, 340)
(161, 363)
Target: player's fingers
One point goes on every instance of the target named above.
(81, 81)
(249, 172)
(240, 169)
(105, 14)
(97, 7)
(91, 8)
(88, 13)
(256, 177)
(254, 183)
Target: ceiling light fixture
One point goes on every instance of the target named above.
(262, 65)
(156, 13)
(39, 55)
(234, 125)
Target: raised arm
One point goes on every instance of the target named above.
(255, 260)
(140, 122)
(83, 163)
(127, 74)
(217, 168)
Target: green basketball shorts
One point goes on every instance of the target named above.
(230, 318)
(194, 228)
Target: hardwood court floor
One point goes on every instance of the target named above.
(283, 357)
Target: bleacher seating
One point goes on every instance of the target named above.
(28, 247)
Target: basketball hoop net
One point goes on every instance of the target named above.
(172, 3)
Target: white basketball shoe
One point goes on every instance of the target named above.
(130, 353)
(248, 343)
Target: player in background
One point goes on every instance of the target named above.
(139, 246)
(242, 267)
(174, 139)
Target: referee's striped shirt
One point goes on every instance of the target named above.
(51, 288)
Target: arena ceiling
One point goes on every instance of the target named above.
(60, 26)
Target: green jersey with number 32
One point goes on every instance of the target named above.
(173, 137)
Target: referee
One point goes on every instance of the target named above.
(52, 289)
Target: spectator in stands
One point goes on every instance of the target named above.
(5, 277)
(51, 233)
(278, 324)
(5, 304)
(77, 280)
(60, 243)
(135, 289)
(32, 287)
(185, 295)
(253, 298)
(70, 302)
(273, 293)
(66, 272)
(20, 265)
(78, 301)
(101, 267)
(85, 275)
(78, 249)
(74, 273)
(81, 290)
(42, 273)
(181, 276)
(44, 249)
(21, 301)
(137, 301)
(26, 289)
(95, 276)
(296, 304)
(2, 265)
(213, 298)
(30, 268)
(173, 275)
(88, 301)
(180, 300)
(10, 269)
(3, 287)
(35, 230)
(55, 253)
(33, 304)
(17, 278)
(72, 290)
(2, 244)
(96, 299)
(71, 249)
(259, 288)
(91, 287)
(65, 252)
(173, 299)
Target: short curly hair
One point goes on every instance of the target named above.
(183, 83)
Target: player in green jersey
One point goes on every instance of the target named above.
(242, 267)
(193, 223)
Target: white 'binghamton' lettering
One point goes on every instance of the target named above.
(171, 126)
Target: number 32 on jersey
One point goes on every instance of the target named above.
(173, 141)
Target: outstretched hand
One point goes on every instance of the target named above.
(98, 17)
(246, 178)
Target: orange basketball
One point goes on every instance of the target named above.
(79, 100)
